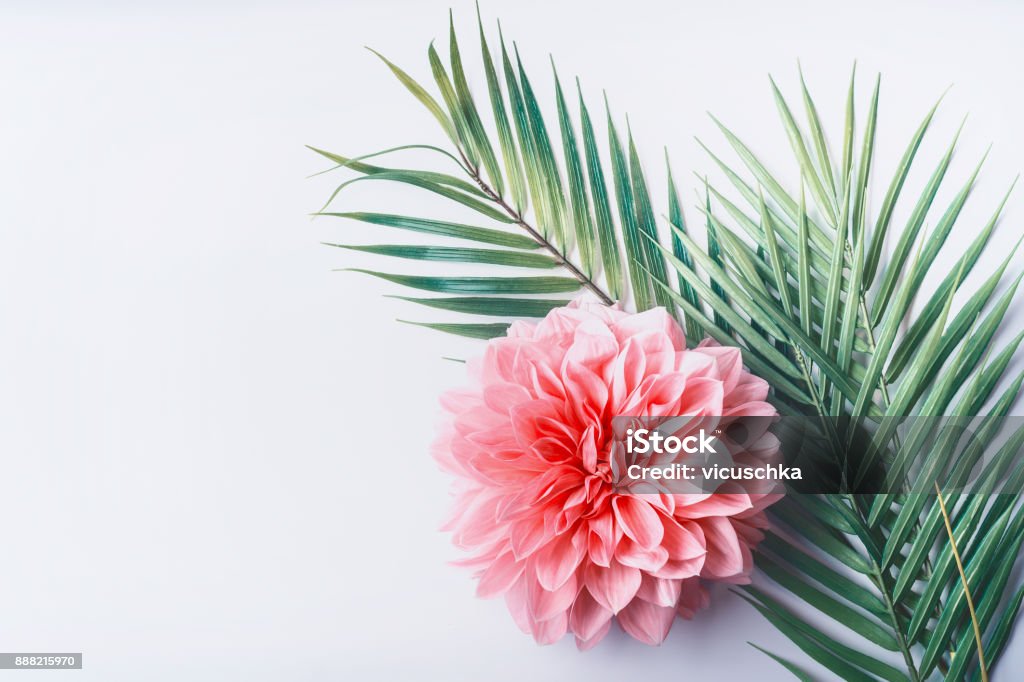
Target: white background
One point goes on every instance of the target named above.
(193, 407)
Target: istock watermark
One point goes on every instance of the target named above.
(904, 455)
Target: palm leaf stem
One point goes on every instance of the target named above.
(883, 386)
(535, 234)
(878, 578)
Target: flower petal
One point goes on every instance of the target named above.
(647, 622)
(638, 520)
(660, 591)
(725, 558)
(587, 645)
(546, 604)
(632, 554)
(557, 561)
(551, 630)
(612, 587)
(499, 576)
(692, 598)
(587, 617)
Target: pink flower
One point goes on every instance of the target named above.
(531, 446)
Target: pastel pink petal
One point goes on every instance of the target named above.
(598, 552)
(729, 361)
(499, 576)
(517, 603)
(496, 471)
(589, 392)
(545, 604)
(588, 644)
(665, 394)
(458, 401)
(545, 382)
(526, 536)
(751, 536)
(662, 502)
(612, 587)
(692, 598)
(725, 558)
(568, 517)
(680, 569)
(497, 361)
(477, 525)
(588, 450)
(531, 419)
(702, 396)
(636, 403)
(521, 329)
(627, 373)
(607, 313)
(587, 618)
(753, 408)
(479, 419)
(603, 524)
(576, 497)
(559, 324)
(554, 482)
(646, 622)
(441, 451)
(557, 562)
(551, 450)
(638, 520)
(631, 554)
(683, 541)
(551, 630)
(593, 344)
(660, 591)
(661, 353)
(694, 364)
(658, 348)
(653, 319)
(503, 397)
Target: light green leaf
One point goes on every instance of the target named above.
(423, 96)
(477, 134)
(586, 239)
(610, 258)
(510, 154)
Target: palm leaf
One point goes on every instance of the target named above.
(844, 312)
(526, 184)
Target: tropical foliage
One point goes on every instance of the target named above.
(799, 276)
(576, 217)
(891, 568)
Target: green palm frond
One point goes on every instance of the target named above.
(541, 190)
(814, 301)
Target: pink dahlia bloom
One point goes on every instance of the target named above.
(531, 444)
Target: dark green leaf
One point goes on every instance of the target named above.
(456, 254)
(473, 331)
(456, 230)
(480, 285)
